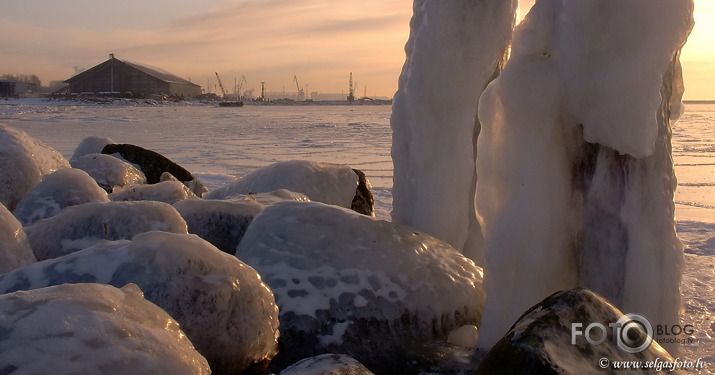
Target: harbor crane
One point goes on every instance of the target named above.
(301, 92)
(223, 91)
(239, 87)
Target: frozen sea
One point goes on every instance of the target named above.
(217, 143)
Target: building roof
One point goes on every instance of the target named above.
(152, 71)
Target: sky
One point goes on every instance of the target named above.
(319, 41)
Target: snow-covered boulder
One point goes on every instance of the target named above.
(63, 188)
(352, 284)
(542, 339)
(109, 171)
(223, 223)
(24, 161)
(327, 364)
(15, 250)
(92, 329)
(90, 145)
(335, 184)
(221, 303)
(166, 191)
(154, 164)
(81, 226)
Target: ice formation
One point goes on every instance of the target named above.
(81, 226)
(90, 145)
(24, 161)
(63, 188)
(109, 171)
(221, 303)
(575, 172)
(348, 282)
(92, 329)
(166, 191)
(327, 364)
(455, 48)
(15, 250)
(321, 182)
(222, 223)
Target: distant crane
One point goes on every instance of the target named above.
(223, 91)
(351, 90)
(301, 92)
(240, 87)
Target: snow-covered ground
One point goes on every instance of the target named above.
(216, 143)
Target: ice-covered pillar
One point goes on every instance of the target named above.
(456, 48)
(576, 177)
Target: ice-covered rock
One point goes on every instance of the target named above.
(109, 171)
(352, 284)
(92, 329)
(24, 161)
(154, 164)
(166, 191)
(15, 250)
(63, 188)
(90, 145)
(466, 336)
(78, 227)
(270, 198)
(575, 168)
(335, 184)
(327, 364)
(223, 223)
(544, 340)
(221, 303)
(455, 48)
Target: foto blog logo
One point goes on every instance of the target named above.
(632, 333)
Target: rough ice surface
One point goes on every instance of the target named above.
(166, 191)
(63, 188)
(466, 335)
(24, 161)
(92, 329)
(109, 171)
(15, 250)
(90, 145)
(455, 48)
(321, 182)
(327, 364)
(267, 199)
(350, 283)
(575, 171)
(221, 303)
(81, 226)
(222, 223)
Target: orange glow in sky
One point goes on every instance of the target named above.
(320, 41)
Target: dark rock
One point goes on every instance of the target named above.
(363, 202)
(154, 164)
(540, 342)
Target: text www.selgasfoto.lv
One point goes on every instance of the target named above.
(657, 364)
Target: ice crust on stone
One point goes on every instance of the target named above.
(327, 364)
(15, 250)
(455, 49)
(90, 145)
(63, 188)
(321, 182)
(222, 223)
(92, 329)
(25, 161)
(224, 308)
(342, 280)
(109, 171)
(575, 171)
(166, 191)
(81, 226)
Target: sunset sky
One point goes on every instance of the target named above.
(320, 41)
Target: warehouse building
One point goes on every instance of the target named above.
(117, 77)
